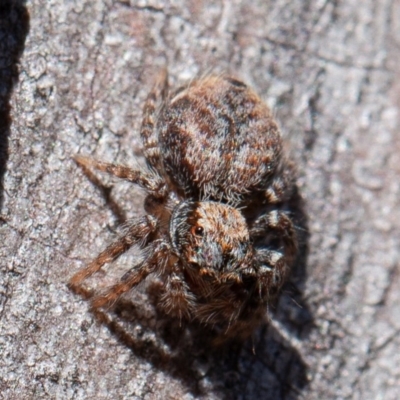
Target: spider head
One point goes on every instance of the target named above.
(210, 237)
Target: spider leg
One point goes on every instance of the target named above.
(226, 309)
(177, 300)
(281, 226)
(280, 189)
(134, 233)
(274, 265)
(148, 133)
(150, 181)
(155, 261)
(272, 271)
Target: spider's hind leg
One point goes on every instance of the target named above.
(282, 186)
(151, 181)
(148, 132)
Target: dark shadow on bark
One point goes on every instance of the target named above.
(292, 309)
(185, 352)
(14, 27)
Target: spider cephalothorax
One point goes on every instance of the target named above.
(215, 232)
(210, 237)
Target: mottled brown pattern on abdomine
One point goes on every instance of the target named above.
(228, 120)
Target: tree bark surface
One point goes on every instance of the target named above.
(73, 79)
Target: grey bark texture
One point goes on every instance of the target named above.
(73, 78)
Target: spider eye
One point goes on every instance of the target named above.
(194, 265)
(198, 230)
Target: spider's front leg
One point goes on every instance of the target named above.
(274, 265)
(177, 299)
(136, 232)
(156, 261)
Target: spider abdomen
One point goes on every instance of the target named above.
(218, 140)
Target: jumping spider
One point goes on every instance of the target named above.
(217, 232)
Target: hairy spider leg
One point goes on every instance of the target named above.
(156, 260)
(151, 181)
(279, 223)
(148, 132)
(274, 265)
(135, 233)
(177, 300)
(281, 186)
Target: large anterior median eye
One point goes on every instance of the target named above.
(197, 231)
